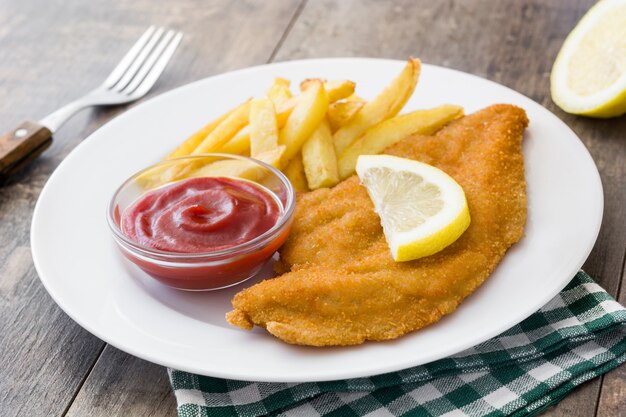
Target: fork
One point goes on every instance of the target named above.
(131, 79)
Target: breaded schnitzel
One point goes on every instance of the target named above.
(340, 285)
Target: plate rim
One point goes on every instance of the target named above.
(532, 307)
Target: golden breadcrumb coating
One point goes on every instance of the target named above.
(339, 283)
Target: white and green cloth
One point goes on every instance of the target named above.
(578, 335)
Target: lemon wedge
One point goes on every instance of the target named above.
(421, 208)
(589, 74)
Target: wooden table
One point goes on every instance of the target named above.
(53, 51)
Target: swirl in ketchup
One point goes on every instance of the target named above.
(200, 215)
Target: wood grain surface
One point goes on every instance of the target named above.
(53, 51)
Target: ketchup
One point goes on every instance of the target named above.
(200, 215)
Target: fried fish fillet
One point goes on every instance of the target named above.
(339, 283)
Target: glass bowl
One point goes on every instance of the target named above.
(207, 270)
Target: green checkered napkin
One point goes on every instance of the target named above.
(577, 336)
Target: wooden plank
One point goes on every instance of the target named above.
(605, 141)
(580, 402)
(44, 355)
(50, 53)
(123, 385)
(612, 401)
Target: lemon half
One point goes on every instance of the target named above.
(589, 74)
(421, 208)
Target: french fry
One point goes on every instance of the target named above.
(186, 148)
(263, 127)
(241, 169)
(295, 172)
(284, 111)
(387, 104)
(314, 137)
(319, 160)
(239, 144)
(384, 134)
(230, 168)
(307, 82)
(194, 140)
(307, 114)
(153, 177)
(279, 92)
(340, 89)
(173, 171)
(225, 130)
(354, 97)
(336, 89)
(341, 112)
(214, 141)
(272, 157)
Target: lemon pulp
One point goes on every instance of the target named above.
(589, 74)
(422, 209)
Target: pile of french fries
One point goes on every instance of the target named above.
(316, 136)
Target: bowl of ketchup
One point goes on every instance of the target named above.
(202, 222)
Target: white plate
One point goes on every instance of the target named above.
(80, 267)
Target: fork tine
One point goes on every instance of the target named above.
(158, 67)
(136, 64)
(148, 63)
(130, 56)
(108, 93)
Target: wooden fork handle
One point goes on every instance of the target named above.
(22, 145)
